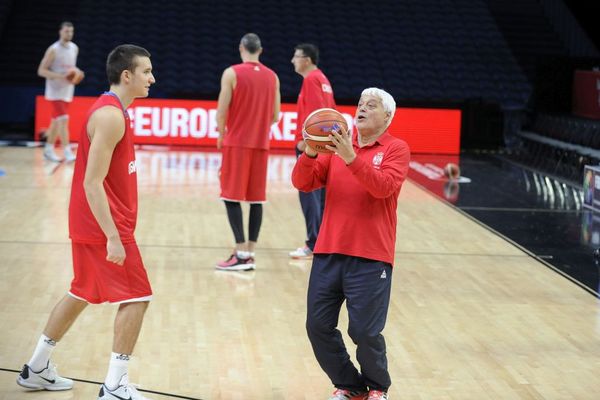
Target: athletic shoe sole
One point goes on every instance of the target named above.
(241, 267)
(33, 386)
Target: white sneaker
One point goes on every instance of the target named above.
(46, 379)
(50, 155)
(69, 156)
(301, 253)
(125, 391)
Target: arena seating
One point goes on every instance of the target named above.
(425, 51)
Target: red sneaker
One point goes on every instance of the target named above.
(343, 394)
(377, 395)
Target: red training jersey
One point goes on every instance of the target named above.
(251, 110)
(316, 92)
(120, 184)
(360, 207)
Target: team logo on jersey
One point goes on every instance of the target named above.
(132, 167)
(377, 160)
(256, 68)
(326, 88)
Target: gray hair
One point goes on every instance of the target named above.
(388, 102)
(251, 42)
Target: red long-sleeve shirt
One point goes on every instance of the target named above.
(360, 207)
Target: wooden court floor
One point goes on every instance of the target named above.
(471, 316)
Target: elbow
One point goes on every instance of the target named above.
(40, 73)
(302, 187)
(296, 182)
(387, 192)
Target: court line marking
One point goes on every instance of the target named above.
(177, 396)
(591, 291)
(269, 249)
(518, 209)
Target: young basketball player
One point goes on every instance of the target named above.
(102, 218)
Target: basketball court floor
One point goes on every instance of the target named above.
(493, 293)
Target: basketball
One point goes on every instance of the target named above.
(319, 124)
(452, 171)
(75, 75)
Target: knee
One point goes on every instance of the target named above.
(360, 335)
(318, 325)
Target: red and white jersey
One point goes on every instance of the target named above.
(65, 57)
(316, 92)
(120, 184)
(250, 113)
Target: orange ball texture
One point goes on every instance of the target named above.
(75, 75)
(318, 126)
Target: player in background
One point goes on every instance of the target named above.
(316, 92)
(249, 103)
(58, 59)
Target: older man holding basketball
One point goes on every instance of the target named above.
(354, 253)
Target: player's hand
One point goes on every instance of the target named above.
(342, 145)
(309, 151)
(115, 252)
(219, 142)
(301, 145)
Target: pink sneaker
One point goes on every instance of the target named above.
(343, 394)
(233, 263)
(377, 395)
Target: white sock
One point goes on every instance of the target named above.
(49, 146)
(252, 254)
(242, 254)
(41, 355)
(116, 369)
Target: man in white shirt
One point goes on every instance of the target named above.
(59, 58)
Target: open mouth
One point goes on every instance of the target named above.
(361, 118)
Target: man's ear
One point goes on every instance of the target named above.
(125, 76)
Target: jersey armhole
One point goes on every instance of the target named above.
(102, 106)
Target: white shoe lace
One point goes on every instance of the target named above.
(52, 371)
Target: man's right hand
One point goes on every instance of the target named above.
(312, 153)
(115, 252)
(301, 145)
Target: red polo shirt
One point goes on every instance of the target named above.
(360, 207)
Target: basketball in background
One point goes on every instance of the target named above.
(75, 75)
(319, 124)
(452, 171)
